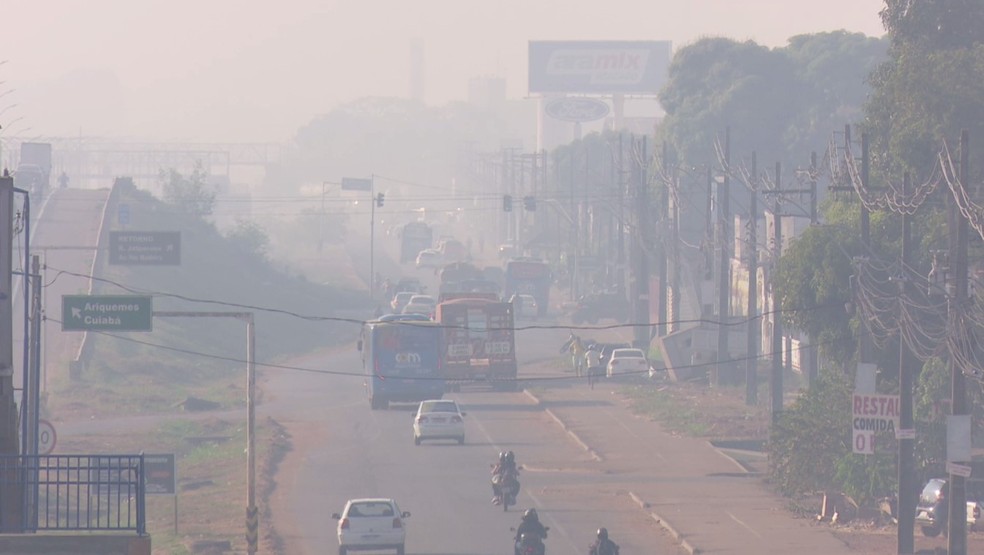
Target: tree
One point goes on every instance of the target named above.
(778, 102)
(932, 85)
(718, 82)
(188, 194)
(249, 239)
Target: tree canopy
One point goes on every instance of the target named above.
(781, 103)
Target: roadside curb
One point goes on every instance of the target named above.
(686, 545)
(594, 454)
(745, 469)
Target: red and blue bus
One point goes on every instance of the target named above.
(401, 357)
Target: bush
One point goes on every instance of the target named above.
(811, 437)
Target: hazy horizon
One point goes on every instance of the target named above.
(246, 71)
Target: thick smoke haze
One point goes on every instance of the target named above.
(227, 70)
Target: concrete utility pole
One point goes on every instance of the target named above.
(907, 469)
(639, 289)
(722, 372)
(675, 253)
(662, 270)
(958, 388)
(775, 379)
(621, 218)
(864, 341)
(751, 361)
(10, 493)
(252, 512)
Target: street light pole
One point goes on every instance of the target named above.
(372, 237)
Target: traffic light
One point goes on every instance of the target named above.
(380, 197)
(507, 203)
(529, 203)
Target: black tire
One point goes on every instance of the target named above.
(342, 550)
(400, 550)
(461, 440)
(374, 403)
(931, 531)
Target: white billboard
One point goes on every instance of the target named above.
(600, 67)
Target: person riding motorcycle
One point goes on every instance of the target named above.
(504, 469)
(510, 462)
(603, 545)
(532, 529)
(497, 470)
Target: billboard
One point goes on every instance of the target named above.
(601, 67)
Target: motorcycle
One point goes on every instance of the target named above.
(593, 549)
(531, 544)
(508, 488)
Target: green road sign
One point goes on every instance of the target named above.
(144, 248)
(107, 312)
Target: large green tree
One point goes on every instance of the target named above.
(931, 86)
(781, 103)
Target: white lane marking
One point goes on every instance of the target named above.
(745, 526)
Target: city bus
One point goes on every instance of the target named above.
(401, 358)
(529, 276)
(479, 344)
(415, 237)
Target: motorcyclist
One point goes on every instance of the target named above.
(603, 545)
(497, 470)
(532, 529)
(510, 462)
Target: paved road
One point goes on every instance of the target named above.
(65, 236)
(344, 450)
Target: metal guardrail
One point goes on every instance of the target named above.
(73, 493)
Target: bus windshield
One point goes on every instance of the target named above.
(407, 350)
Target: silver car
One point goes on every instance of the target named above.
(371, 524)
(438, 419)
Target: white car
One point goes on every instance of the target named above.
(371, 524)
(525, 307)
(429, 258)
(401, 300)
(627, 362)
(426, 300)
(438, 419)
(420, 304)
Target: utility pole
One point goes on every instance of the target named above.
(31, 395)
(751, 360)
(372, 237)
(10, 494)
(775, 378)
(958, 389)
(723, 373)
(640, 279)
(576, 225)
(621, 219)
(907, 469)
(661, 264)
(864, 342)
(675, 251)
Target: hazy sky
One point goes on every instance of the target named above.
(250, 70)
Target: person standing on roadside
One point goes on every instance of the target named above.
(592, 359)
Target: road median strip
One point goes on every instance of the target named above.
(590, 450)
(684, 543)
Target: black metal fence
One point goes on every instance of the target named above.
(72, 492)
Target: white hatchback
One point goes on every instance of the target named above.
(627, 362)
(438, 419)
(371, 524)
